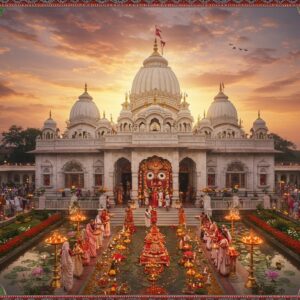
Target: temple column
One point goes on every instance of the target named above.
(201, 173)
(175, 170)
(109, 176)
(135, 160)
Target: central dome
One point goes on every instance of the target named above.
(155, 80)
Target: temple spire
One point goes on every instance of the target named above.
(50, 114)
(204, 114)
(85, 88)
(104, 114)
(111, 118)
(155, 48)
(258, 114)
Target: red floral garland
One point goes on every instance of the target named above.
(17, 240)
(279, 235)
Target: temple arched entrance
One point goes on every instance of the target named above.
(155, 180)
(187, 180)
(122, 180)
(74, 175)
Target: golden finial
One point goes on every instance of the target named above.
(155, 48)
(220, 89)
(258, 114)
(204, 114)
(50, 114)
(104, 114)
(85, 88)
(198, 119)
(111, 118)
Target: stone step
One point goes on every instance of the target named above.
(165, 218)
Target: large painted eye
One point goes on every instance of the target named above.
(150, 175)
(161, 175)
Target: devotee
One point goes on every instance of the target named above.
(146, 197)
(296, 210)
(67, 266)
(129, 223)
(168, 201)
(120, 194)
(266, 201)
(209, 235)
(100, 228)
(181, 216)
(225, 231)
(160, 198)
(223, 264)
(77, 259)
(153, 216)
(91, 238)
(207, 205)
(147, 218)
(105, 218)
(86, 258)
(154, 198)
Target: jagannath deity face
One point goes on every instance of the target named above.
(155, 175)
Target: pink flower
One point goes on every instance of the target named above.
(38, 271)
(272, 275)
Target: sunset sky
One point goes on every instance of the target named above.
(47, 55)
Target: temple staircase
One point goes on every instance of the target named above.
(165, 218)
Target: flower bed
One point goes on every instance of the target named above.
(18, 240)
(284, 238)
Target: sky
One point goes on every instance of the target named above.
(48, 54)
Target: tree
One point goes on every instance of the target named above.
(287, 148)
(20, 143)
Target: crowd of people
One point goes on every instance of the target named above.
(86, 248)
(217, 240)
(14, 199)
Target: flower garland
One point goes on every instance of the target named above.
(18, 240)
(279, 235)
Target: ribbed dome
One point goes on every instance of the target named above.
(205, 122)
(155, 78)
(50, 123)
(84, 109)
(222, 111)
(259, 123)
(104, 122)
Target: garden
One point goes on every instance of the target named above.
(285, 231)
(25, 227)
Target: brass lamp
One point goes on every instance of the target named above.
(78, 218)
(233, 217)
(56, 239)
(251, 240)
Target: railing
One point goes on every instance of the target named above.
(225, 204)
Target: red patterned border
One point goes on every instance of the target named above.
(154, 297)
(151, 3)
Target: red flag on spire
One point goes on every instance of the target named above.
(158, 32)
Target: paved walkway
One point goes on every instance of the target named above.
(80, 283)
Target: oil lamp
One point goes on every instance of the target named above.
(56, 239)
(252, 241)
(233, 217)
(77, 218)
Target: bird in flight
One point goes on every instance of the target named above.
(234, 47)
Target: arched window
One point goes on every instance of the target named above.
(154, 125)
(211, 177)
(16, 178)
(236, 175)
(74, 176)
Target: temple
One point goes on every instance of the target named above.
(155, 145)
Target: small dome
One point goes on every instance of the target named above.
(50, 123)
(84, 109)
(222, 111)
(184, 111)
(205, 122)
(104, 122)
(125, 112)
(259, 123)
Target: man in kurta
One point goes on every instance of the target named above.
(105, 218)
(99, 227)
